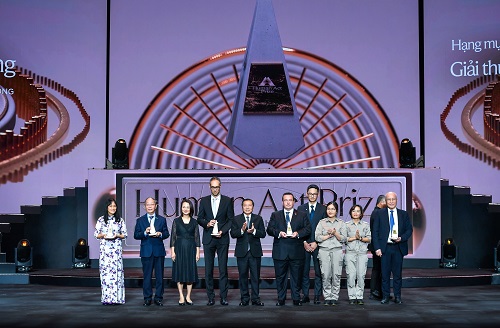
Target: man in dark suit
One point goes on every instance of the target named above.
(315, 212)
(248, 229)
(215, 216)
(376, 276)
(151, 229)
(391, 230)
(289, 228)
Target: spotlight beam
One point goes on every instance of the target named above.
(221, 93)
(313, 99)
(200, 98)
(236, 73)
(192, 157)
(299, 82)
(359, 160)
(320, 139)
(202, 127)
(324, 115)
(203, 146)
(326, 152)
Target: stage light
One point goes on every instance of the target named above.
(120, 155)
(449, 254)
(407, 155)
(81, 254)
(23, 254)
(497, 257)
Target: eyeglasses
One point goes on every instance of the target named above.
(214, 187)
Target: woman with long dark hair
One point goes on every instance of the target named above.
(185, 251)
(110, 230)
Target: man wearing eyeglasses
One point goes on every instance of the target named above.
(215, 216)
(315, 212)
(391, 231)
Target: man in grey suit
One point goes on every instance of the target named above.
(391, 231)
(248, 229)
(216, 210)
(289, 228)
(315, 212)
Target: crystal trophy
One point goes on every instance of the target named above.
(152, 231)
(215, 231)
(289, 229)
(110, 234)
(394, 233)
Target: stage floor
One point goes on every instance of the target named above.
(69, 306)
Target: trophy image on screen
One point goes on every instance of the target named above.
(215, 231)
(289, 229)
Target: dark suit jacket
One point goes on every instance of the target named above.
(381, 230)
(372, 219)
(245, 238)
(292, 248)
(224, 218)
(319, 213)
(151, 245)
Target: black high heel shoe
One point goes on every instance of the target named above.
(182, 304)
(189, 303)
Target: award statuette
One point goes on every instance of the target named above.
(394, 234)
(152, 231)
(289, 230)
(110, 234)
(215, 231)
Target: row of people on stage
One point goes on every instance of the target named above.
(312, 232)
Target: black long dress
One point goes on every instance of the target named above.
(185, 238)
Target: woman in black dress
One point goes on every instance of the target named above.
(185, 250)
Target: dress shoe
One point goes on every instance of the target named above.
(210, 302)
(258, 303)
(297, 303)
(223, 301)
(385, 300)
(335, 302)
(352, 302)
(398, 300)
(244, 303)
(158, 302)
(316, 300)
(305, 299)
(147, 303)
(375, 296)
(360, 302)
(182, 303)
(280, 303)
(189, 303)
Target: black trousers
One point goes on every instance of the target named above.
(376, 277)
(221, 250)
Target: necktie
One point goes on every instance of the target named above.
(248, 227)
(391, 220)
(287, 217)
(311, 215)
(214, 207)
